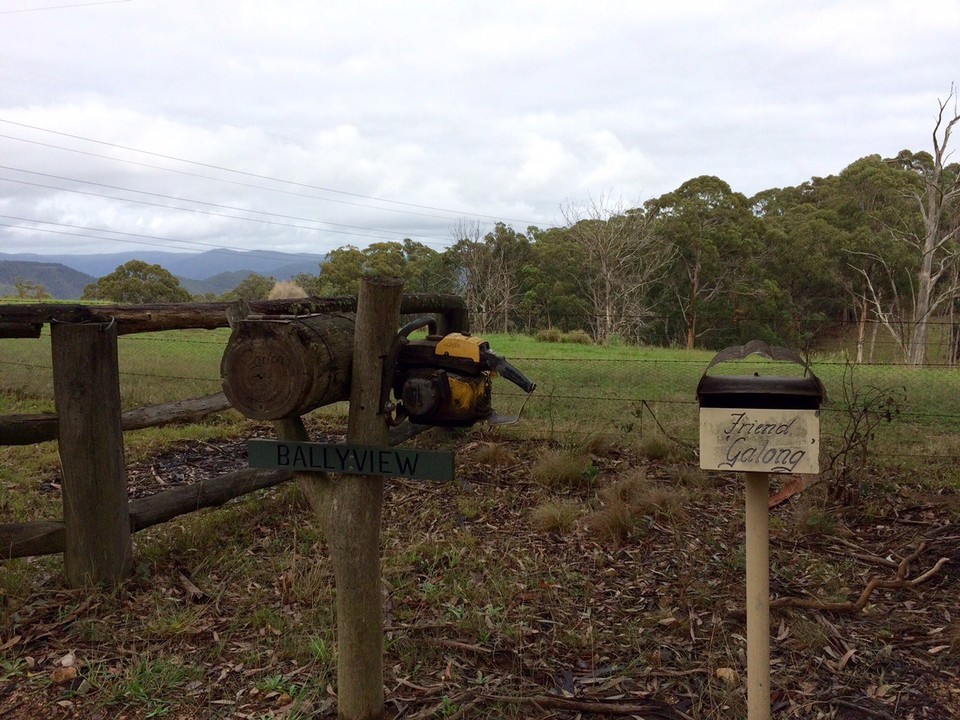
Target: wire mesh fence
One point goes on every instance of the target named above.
(617, 390)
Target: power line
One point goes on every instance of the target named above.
(204, 202)
(216, 179)
(193, 210)
(259, 176)
(63, 7)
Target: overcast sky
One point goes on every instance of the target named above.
(304, 126)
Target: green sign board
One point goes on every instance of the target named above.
(352, 459)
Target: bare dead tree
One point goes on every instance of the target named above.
(474, 263)
(939, 252)
(623, 261)
(905, 302)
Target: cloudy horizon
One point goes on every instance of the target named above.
(301, 127)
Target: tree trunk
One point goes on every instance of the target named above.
(917, 349)
(692, 319)
(280, 368)
(861, 329)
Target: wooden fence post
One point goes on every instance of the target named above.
(98, 546)
(354, 513)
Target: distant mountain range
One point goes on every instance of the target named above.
(215, 271)
(58, 280)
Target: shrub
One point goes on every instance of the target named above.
(577, 337)
(550, 335)
(286, 290)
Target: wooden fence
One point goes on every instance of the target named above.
(98, 518)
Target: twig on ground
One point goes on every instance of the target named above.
(897, 583)
(597, 707)
(872, 712)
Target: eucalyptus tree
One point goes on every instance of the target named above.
(915, 275)
(137, 282)
(715, 240)
(870, 197)
(253, 287)
(552, 297)
(421, 267)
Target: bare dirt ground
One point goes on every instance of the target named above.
(493, 610)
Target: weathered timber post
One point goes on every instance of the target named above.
(353, 531)
(86, 382)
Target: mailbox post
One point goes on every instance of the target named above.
(759, 425)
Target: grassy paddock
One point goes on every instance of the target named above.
(585, 391)
(582, 390)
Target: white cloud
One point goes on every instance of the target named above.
(502, 109)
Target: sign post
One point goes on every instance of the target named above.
(759, 425)
(758, 595)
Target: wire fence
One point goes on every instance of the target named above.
(623, 392)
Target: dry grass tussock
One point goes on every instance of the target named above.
(555, 516)
(286, 290)
(632, 504)
(495, 455)
(562, 470)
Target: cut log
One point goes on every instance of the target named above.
(178, 411)
(155, 509)
(20, 330)
(28, 429)
(45, 537)
(281, 368)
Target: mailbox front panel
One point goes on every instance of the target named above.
(760, 440)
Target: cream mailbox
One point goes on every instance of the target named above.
(760, 423)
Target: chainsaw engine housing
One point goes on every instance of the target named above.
(434, 396)
(446, 379)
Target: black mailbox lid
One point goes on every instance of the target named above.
(760, 391)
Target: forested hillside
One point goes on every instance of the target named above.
(39, 280)
(704, 266)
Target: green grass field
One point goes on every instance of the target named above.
(582, 390)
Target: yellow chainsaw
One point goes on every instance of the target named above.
(446, 379)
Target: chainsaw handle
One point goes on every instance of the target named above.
(423, 322)
(504, 369)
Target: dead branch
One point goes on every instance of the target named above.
(898, 582)
(597, 707)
